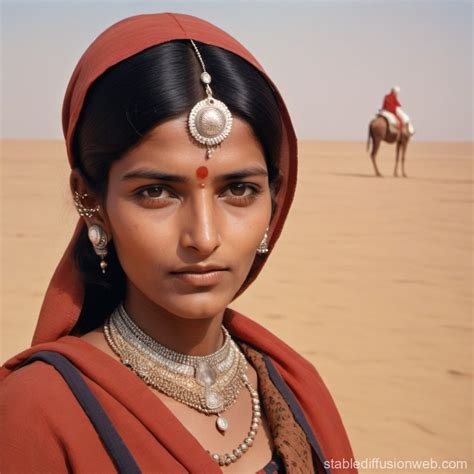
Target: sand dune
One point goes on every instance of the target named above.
(371, 280)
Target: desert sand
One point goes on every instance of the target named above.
(371, 280)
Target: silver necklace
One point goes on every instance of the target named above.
(209, 384)
(181, 375)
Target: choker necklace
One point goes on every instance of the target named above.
(210, 384)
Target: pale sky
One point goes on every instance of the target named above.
(332, 61)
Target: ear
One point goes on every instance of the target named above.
(78, 184)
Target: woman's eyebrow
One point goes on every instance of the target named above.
(148, 173)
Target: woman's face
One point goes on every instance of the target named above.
(161, 224)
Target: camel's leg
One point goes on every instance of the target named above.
(404, 149)
(373, 155)
(397, 156)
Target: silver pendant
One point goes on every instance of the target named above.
(210, 121)
(205, 375)
(214, 400)
(222, 423)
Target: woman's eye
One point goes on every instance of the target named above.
(154, 193)
(243, 191)
(238, 189)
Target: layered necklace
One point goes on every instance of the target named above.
(210, 384)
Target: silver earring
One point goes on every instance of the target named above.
(99, 241)
(263, 246)
(81, 209)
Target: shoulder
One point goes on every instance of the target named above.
(30, 390)
(30, 410)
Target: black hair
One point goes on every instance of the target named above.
(133, 97)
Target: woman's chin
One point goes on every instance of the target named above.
(200, 305)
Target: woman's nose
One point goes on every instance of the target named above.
(200, 227)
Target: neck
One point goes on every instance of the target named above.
(196, 337)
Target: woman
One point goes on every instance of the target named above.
(183, 162)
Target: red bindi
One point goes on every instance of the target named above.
(202, 172)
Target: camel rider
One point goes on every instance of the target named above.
(392, 111)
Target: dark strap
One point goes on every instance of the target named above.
(118, 451)
(280, 383)
(276, 465)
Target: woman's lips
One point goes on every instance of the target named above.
(201, 279)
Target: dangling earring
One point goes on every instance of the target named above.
(98, 238)
(263, 246)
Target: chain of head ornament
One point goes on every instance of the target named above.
(209, 121)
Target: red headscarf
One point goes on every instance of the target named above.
(64, 298)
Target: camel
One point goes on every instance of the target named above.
(379, 131)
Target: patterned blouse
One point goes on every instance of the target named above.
(292, 451)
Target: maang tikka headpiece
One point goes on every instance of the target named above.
(210, 120)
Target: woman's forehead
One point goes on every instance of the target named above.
(169, 147)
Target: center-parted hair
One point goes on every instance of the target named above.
(133, 97)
